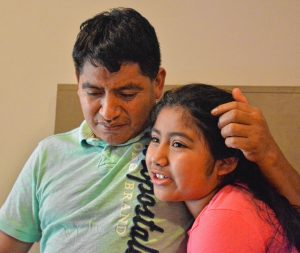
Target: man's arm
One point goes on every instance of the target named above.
(9, 244)
(244, 127)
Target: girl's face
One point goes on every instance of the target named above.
(178, 159)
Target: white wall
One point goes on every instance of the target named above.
(250, 42)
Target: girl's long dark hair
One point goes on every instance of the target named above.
(199, 100)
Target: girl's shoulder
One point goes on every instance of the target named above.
(234, 212)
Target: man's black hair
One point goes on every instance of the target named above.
(111, 38)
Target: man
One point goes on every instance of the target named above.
(88, 190)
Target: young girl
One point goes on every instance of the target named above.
(235, 208)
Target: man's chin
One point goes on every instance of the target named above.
(114, 139)
(112, 136)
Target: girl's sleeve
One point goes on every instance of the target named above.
(224, 231)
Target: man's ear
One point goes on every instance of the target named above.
(77, 74)
(77, 79)
(159, 83)
(225, 166)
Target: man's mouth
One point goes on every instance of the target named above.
(111, 127)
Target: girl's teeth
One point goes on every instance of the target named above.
(160, 176)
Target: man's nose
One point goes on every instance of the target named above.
(110, 108)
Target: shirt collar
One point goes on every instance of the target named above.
(87, 137)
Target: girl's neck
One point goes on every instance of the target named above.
(196, 206)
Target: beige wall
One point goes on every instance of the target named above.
(250, 42)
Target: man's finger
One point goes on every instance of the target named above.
(235, 130)
(239, 96)
(234, 116)
(223, 108)
(237, 142)
(240, 102)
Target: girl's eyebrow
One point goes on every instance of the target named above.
(180, 134)
(174, 134)
(155, 130)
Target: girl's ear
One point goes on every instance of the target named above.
(225, 166)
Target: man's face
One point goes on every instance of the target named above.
(116, 106)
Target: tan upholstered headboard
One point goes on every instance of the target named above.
(281, 107)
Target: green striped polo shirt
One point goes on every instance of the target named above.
(77, 193)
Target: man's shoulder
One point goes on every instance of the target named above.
(66, 139)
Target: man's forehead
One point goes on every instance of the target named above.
(128, 76)
(123, 86)
(126, 67)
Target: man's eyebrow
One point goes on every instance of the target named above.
(130, 86)
(88, 85)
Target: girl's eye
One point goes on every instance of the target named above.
(154, 139)
(177, 144)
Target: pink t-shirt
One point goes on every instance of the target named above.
(234, 221)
